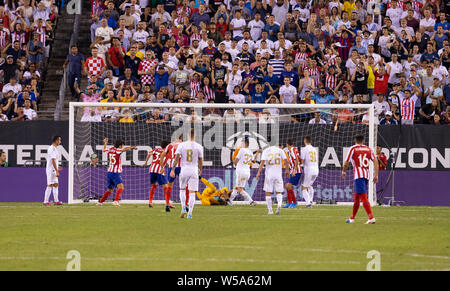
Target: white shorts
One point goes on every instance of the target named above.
(189, 177)
(309, 177)
(242, 178)
(273, 183)
(51, 177)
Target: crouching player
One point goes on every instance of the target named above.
(114, 178)
(294, 172)
(156, 172)
(360, 155)
(243, 159)
(212, 196)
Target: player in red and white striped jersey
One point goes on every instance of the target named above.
(168, 158)
(360, 155)
(114, 178)
(294, 172)
(156, 172)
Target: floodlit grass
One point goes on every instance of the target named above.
(135, 237)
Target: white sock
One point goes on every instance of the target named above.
(183, 199)
(279, 200)
(311, 194)
(247, 196)
(55, 194)
(233, 195)
(269, 203)
(306, 195)
(191, 203)
(48, 191)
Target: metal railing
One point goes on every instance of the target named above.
(63, 87)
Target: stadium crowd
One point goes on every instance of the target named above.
(392, 53)
(26, 37)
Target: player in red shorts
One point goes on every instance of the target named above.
(360, 155)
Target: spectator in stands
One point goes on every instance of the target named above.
(3, 162)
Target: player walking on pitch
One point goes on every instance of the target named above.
(156, 172)
(114, 178)
(274, 159)
(168, 157)
(310, 159)
(360, 155)
(243, 161)
(52, 170)
(191, 155)
(294, 172)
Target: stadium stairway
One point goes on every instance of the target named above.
(50, 93)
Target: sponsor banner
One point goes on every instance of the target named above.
(410, 186)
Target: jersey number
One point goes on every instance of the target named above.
(274, 159)
(247, 159)
(112, 160)
(363, 161)
(312, 157)
(189, 155)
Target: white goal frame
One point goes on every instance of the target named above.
(74, 105)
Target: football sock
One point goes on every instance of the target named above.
(169, 193)
(288, 196)
(166, 195)
(355, 206)
(187, 196)
(311, 194)
(233, 195)
(293, 199)
(306, 195)
(247, 196)
(366, 205)
(55, 194)
(152, 193)
(269, 203)
(279, 200)
(118, 194)
(48, 191)
(191, 203)
(105, 196)
(182, 199)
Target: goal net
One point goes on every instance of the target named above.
(220, 128)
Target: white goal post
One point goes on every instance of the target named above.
(332, 139)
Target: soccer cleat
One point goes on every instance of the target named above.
(253, 203)
(116, 203)
(309, 206)
(270, 212)
(58, 203)
(47, 204)
(370, 221)
(183, 214)
(293, 205)
(171, 206)
(189, 216)
(167, 208)
(350, 220)
(229, 203)
(150, 205)
(278, 211)
(287, 205)
(99, 204)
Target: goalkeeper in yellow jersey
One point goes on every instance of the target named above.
(212, 196)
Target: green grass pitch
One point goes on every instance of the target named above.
(135, 237)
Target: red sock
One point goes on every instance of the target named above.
(366, 205)
(152, 193)
(288, 196)
(166, 195)
(118, 194)
(169, 193)
(187, 196)
(355, 206)
(293, 199)
(105, 196)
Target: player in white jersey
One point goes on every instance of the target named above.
(310, 159)
(191, 155)
(52, 169)
(243, 159)
(275, 160)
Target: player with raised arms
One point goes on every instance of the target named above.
(156, 172)
(310, 160)
(360, 155)
(243, 159)
(274, 159)
(168, 158)
(114, 178)
(294, 172)
(191, 155)
(52, 170)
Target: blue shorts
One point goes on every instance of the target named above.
(361, 185)
(177, 172)
(113, 179)
(294, 180)
(157, 178)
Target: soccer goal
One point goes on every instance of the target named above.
(220, 128)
